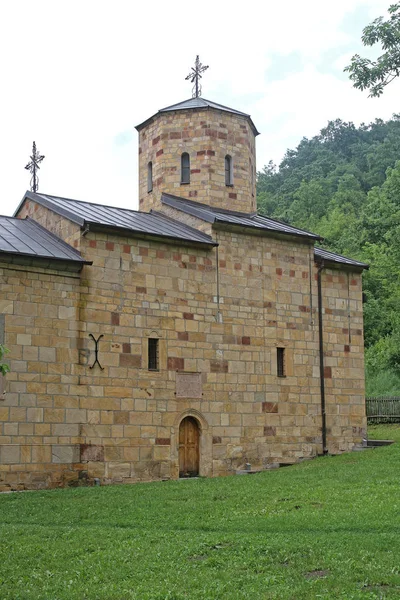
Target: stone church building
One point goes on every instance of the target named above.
(191, 337)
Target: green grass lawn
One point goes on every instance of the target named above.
(328, 528)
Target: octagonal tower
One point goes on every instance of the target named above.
(201, 151)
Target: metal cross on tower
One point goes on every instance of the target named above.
(33, 167)
(195, 76)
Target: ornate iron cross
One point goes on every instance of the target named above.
(195, 76)
(33, 167)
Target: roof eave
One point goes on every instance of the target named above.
(221, 224)
(93, 226)
(57, 264)
(320, 260)
(195, 108)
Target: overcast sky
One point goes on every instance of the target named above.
(77, 77)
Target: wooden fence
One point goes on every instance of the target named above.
(383, 409)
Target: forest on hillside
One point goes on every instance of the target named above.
(345, 185)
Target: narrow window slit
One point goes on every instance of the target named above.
(185, 168)
(153, 360)
(281, 362)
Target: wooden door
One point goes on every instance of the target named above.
(189, 436)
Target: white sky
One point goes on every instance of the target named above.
(77, 77)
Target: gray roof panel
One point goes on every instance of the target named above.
(198, 103)
(216, 215)
(128, 221)
(325, 255)
(26, 238)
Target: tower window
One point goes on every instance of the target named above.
(280, 362)
(150, 177)
(228, 170)
(153, 361)
(185, 168)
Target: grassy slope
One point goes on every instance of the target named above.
(253, 537)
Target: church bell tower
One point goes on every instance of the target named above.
(198, 150)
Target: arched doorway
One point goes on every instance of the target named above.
(189, 447)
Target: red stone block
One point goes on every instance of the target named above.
(210, 153)
(141, 289)
(270, 407)
(195, 170)
(183, 336)
(304, 275)
(177, 256)
(163, 441)
(347, 348)
(143, 251)
(328, 372)
(278, 271)
(156, 140)
(222, 263)
(292, 273)
(233, 196)
(216, 439)
(246, 341)
(92, 243)
(160, 254)
(175, 363)
(237, 266)
(175, 135)
(188, 316)
(159, 152)
(114, 318)
(109, 245)
(126, 249)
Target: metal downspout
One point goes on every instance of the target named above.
(321, 357)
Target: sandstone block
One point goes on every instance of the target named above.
(61, 454)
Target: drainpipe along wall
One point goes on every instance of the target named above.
(321, 266)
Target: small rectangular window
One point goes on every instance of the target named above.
(153, 354)
(280, 361)
(150, 177)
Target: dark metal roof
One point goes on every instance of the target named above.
(198, 103)
(218, 215)
(122, 220)
(22, 240)
(325, 255)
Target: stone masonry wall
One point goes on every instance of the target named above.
(64, 228)
(208, 136)
(64, 421)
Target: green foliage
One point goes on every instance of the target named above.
(375, 75)
(345, 185)
(382, 383)
(322, 529)
(4, 368)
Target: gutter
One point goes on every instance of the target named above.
(321, 266)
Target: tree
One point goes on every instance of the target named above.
(375, 75)
(4, 368)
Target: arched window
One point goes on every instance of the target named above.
(228, 170)
(150, 177)
(185, 168)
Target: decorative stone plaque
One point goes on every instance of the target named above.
(188, 385)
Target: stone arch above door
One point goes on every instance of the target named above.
(205, 446)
